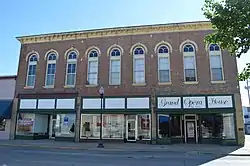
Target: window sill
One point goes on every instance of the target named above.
(165, 83)
(29, 87)
(218, 82)
(139, 84)
(114, 84)
(68, 86)
(191, 83)
(89, 86)
(48, 87)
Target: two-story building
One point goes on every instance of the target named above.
(162, 84)
(7, 91)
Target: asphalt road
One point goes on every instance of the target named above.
(14, 156)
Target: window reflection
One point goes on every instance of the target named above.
(175, 125)
(163, 126)
(144, 126)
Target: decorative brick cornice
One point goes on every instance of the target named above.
(120, 31)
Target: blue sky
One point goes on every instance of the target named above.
(28, 17)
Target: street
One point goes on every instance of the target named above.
(20, 156)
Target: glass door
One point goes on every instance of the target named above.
(52, 128)
(131, 128)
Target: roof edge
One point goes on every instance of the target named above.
(116, 31)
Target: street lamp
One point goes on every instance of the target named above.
(101, 92)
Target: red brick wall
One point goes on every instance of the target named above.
(126, 87)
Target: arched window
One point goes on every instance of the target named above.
(163, 64)
(216, 66)
(115, 67)
(31, 71)
(93, 67)
(71, 68)
(138, 65)
(51, 69)
(189, 63)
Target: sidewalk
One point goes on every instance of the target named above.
(182, 148)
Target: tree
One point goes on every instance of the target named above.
(231, 22)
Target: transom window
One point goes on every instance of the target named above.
(93, 54)
(51, 70)
(31, 71)
(216, 67)
(163, 64)
(163, 49)
(138, 51)
(188, 48)
(115, 67)
(189, 63)
(138, 66)
(92, 68)
(115, 52)
(71, 69)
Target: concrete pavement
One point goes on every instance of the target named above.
(132, 147)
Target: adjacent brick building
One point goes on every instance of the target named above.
(162, 84)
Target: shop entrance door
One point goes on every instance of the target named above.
(52, 127)
(190, 127)
(131, 128)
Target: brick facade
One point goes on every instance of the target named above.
(126, 42)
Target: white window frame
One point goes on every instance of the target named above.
(215, 53)
(50, 62)
(140, 56)
(27, 75)
(114, 58)
(70, 61)
(93, 59)
(163, 55)
(189, 54)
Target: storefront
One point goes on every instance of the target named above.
(46, 119)
(5, 118)
(125, 119)
(196, 119)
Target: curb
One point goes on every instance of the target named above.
(121, 150)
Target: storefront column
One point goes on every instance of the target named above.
(153, 119)
(78, 119)
(13, 118)
(239, 120)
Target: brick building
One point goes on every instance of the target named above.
(161, 83)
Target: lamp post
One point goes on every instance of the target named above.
(101, 92)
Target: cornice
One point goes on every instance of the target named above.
(122, 31)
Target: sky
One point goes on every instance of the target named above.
(29, 17)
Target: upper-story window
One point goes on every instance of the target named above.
(51, 69)
(31, 71)
(93, 67)
(71, 68)
(138, 65)
(216, 66)
(115, 67)
(189, 63)
(163, 64)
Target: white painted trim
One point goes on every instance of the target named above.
(68, 51)
(114, 46)
(158, 67)
(163, 43)
(188, 42)
(190, 54)
(51, 51)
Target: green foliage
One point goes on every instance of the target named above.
(231, 23)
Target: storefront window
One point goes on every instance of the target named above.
(163, 126)
(144, 126)
(65, 125)
(176, 126)
(211, 126)
(113, 126)
(2, 124)
(90, 128)
(228, 126)
(25, 124)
